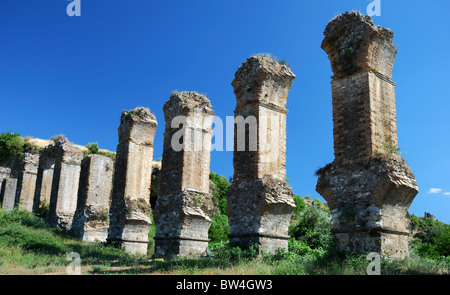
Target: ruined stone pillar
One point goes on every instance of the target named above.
(5, 172)
(91, 219)
(368, 187)
(66, 176)
(9, 172)
(260, 201)
(8, 193)
(130, 200)
(184, 204)
(44, 177)
(26, 181)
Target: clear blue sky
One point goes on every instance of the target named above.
(74, 75)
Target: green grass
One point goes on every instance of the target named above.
(29, 246)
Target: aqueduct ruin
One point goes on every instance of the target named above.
(368, 187)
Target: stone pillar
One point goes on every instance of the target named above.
(9, 187)
(368, 187)
(130, 204)
(26, 181)
(5, 172)
(182, 208)
(66, 176)
(44, 177)
(91, 219)
(260, 201)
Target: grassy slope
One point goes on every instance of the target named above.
(29, 246)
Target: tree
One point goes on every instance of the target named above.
(222, 185)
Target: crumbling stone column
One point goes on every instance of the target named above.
(26, 181)
(66, 177)
(130, 200)
(8, 193)
(183, 207)
(44, 177)
(5, 172)
(9, 172)
(368, 187)
(260, 202)
(91, 219)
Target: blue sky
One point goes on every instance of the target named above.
(75, 75)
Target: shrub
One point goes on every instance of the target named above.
(92, 147)
(11, 146)
(313, 228)
(219, 229)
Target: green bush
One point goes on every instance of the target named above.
(234, 253)
(11, 146)
(92, 147)
(312, 227)
(432, 239)
(222, 185)
(219, 229)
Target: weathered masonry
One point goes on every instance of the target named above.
(66, 176)
(260, 201)
(368, 187)
(130, 200)
(184, 205)
(91, 220)
(44, 177)
(26, 181)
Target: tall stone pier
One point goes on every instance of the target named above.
(184, 204)
(66, 177)
(91, 220)
(368, 187)
(8, 193)
(44, 177)
(5, 172)
(260, 202)
(9, 173)
(130, 199)
(26, 181)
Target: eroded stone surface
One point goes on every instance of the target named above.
(368, 187)
(44, 178)
(130, 199)
(184, 205)
(26, 181)
(66, 176)
(91, 220)
(9, 187)
(260, 202)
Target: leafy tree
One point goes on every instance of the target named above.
(432, 239)
(11, 146)
(220, 228)
(222, 185)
